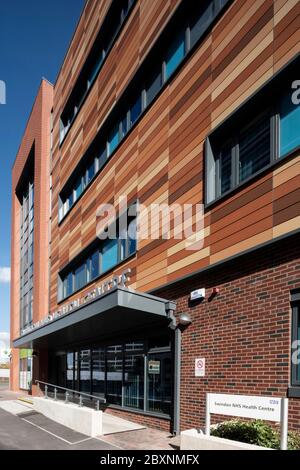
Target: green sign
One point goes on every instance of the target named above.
(24, 353)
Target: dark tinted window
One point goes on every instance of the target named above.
(254, 147)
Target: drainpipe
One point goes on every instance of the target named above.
(177, 370)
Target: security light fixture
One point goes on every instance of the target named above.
(185, 319)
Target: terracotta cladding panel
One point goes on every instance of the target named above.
(162, 158)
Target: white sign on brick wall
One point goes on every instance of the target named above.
(200, 367)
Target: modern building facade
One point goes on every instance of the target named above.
(169, 102)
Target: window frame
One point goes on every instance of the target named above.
(295, 327)
(70, 112)
(85, 260)
(211, 158)
(127, 104)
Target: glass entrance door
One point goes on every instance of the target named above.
(159, 370)
(134, 375)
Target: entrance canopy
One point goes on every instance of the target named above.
(116, 312)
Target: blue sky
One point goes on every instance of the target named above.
(34, 36)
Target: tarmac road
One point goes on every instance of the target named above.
(18, 434)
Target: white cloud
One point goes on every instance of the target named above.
(5, 275)
(4, 340)
(4, 347)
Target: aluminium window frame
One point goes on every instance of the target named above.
(105, 53)
(272, 112)
(145, 104)
(295, 304)
(90, 250)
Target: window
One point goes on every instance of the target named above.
(124, 125)
(132, 234)
(70, 370)
(114, 374)
(99, 259)
(250, 140)
(80, 277)
(225, 168)
(201, 21)
(289, 124)
(132, 374)
(91, 172)
(153, 86)
(159, 67)
(175, 54)
(94, 265)
(109, 254)
(115, 18)
(136, 110)
(25, 369)
(295, 366)
(26, 199)
(113, 140)
(85, 370)
(98, 372)
(70, 200)
(102, 157)
(78, 188)
(254, 147)
(159, 369)
(68, 285)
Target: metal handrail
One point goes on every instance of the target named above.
(68, 391)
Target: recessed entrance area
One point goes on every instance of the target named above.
(133, 374)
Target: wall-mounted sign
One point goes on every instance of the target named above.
(154, 367)
(266, 408)
(200, 367)
(77, 303)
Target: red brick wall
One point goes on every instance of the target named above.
(151, 421)
(243, 333)
(37, 133)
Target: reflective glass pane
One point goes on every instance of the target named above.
(94, 265)
(113, 140)
(114, 374)
(80, 277)
(201, 21)
(78, 188)
(91, 172)
(153, 87)
(70, 370)
(136, 110)
(134, 378)
(68, 285)
(289, 124)
(175, 55)
(85, 370)
(102, 157)
(255, 147)
(124, 126)
(159, 383)
(109, 254)
(226, 175)
(98, 371)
